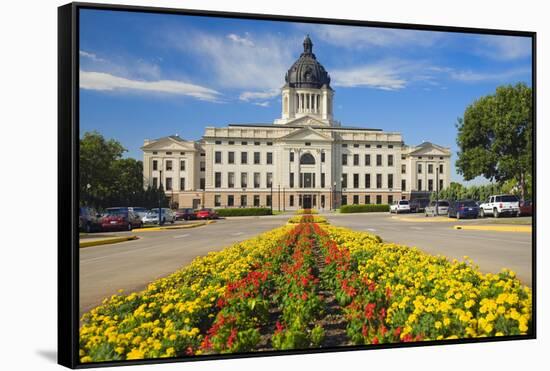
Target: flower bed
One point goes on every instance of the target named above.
(396, 293)
(265, 293)
(169, 318)
(307, 219)
(306, 211)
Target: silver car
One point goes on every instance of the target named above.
(152, 217)
(440, 207)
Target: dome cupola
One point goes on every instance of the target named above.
(307, 72)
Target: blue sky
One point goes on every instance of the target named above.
(151, 75)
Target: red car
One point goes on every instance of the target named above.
(120, 218)
(206, 214)
(526, 208)
(185, 214)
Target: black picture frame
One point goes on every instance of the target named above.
(68, 177)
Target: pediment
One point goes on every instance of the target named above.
(307, 120)
(430, 149)
(306, 134)
(168, 143)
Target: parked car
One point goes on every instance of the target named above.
(498, 205)
(89, 220)
(463, 209)
(206, 214)
(140, 211)
(120, 218)
(440, 207)
(185, 214)
(152, 216)
(400, 206)
(526, 208)
(418, 205)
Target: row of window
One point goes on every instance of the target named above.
(257, 158)
(430, 185)
(357, 145)
(256, 177)
(367, 199)
(230, 201)
(243, 143)
(368, 183)
(168, 165)
(430, 168)
(367, 161)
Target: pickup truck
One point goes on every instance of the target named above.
(498, 205)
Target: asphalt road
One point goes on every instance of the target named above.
(132, 265)
(490, 250)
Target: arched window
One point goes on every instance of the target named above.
(307, 159)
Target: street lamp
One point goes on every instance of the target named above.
(160, 196)
(271, 197)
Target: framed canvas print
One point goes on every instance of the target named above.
(236, 185)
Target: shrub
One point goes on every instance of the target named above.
(252, 211)
(364, 208)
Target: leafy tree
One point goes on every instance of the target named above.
(495, 137)
(107, 179)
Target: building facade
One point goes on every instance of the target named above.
(305, 159)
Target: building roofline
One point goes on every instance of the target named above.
(302, 126)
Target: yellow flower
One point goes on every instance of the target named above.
(135, 354)
(437, 324)
(85, 359)
(446, 321)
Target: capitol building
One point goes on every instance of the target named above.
(304, 159)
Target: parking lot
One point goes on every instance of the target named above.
(132, 265)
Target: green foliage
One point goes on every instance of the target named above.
(251, 211)
(364, 208)
(457, 191)
(495, 137)
(107, 179)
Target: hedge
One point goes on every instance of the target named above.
(364, 208)
(251, 211)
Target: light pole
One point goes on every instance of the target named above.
(278, 197)
(437, 191)
(160, 196)
(271, 197)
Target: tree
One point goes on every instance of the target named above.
(495, 137)
(107, 179)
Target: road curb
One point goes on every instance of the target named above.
(187, 226)
(106, 241)
(497, 228)
(423, 220)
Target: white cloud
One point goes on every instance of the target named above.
(262, 104)
(390, 74)
(505, 47)
(249, 62)
(262, 95)
(245, 41)
(358, 37)
(107, 82)
(472, 76)
(90, 56)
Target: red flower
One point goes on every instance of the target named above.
(388, 293)
(304, 296)
(397, 331)
(369, 310)
(375, 340)
(189, 351)
(382, 313)
(231, 337)
(365, 331)
(383, 330)
(278, 327)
